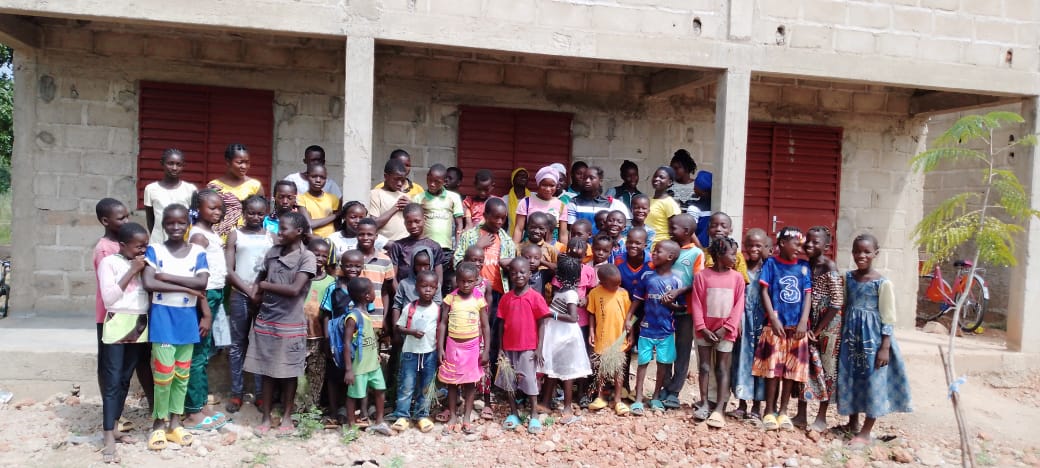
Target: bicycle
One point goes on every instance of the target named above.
(936, 297)
(5, 288)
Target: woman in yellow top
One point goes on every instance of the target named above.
(518, 191)
(233, 187)
(662, 206)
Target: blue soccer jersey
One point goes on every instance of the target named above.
(657, 317)
(789, 284)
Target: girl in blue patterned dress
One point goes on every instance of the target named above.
(871, 373)
(757, 248)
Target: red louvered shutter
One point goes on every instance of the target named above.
(793, 175)
(201, 121)
(503, 139)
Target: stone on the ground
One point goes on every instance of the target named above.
(935, 328)
(902, 455)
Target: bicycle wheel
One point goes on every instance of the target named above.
(5, 291)
(974, 307)
(927, 310)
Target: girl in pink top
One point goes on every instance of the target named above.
(717, 304)
(542, 201)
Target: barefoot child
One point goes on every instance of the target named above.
(782, 356)
(361, 371)
(462, 328)
(315, 366)
(657, 329)
(747, 387)
(608, 304)
(561, 354)
(828, 298)
(717, 305)
(166, 191)
(210, 208)
(277, 343)
(520, 313)
(871, 374)
(176, 274)
(244, 253)
(125, 331)
(417, 323)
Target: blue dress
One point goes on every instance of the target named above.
(861, 388)
(746, 386)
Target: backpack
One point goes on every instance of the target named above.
(338, 340)
(411, 313)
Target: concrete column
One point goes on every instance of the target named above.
(731, 134)
(1023, 325)
(24, 217)
(358, 96)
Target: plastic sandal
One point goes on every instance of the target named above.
(672, 401)
(770, 423)
(381, 429)
(234, 404)
(125, 425)
(157, 440)
(570, 420)
(487, 413)
(511, 422)
(702, 413)
(180, 436)
(656, 405)
(622, 409)
(597, 404)
(784, 422)
(450, 429)
(637, 409)
(285, 431)
(534, 426)
(716, 420)
(443, 416)
(467, 429)
(425, 425)
(401, 425)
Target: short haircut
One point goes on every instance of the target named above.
(617, 213)
(867, 237)
(539, 217)
(400, 154)
(495, 203)
(355, 253)
(469, 268)
(426, 275)
(297, 219)
(640, 196)
(170, 152)
(358, 289)
(456, 170)
(170, 209)
(483, 175)
(437, 169)
(315, 148)
(284, 183)
(105, 206)
(233, 149)
(758, 232)
(637, 230)
(314, 165)
(602, 238)
(127, 232)
(316, 242)
(670, 245)
(598, 170)
(723, 214)
(580, 222)
(521, 261)
(607, 271)
(412, 208)
(257, 200)
(530, 247)
(473, 249)
(368, 222)
(394, 166)
(826, 231)
(627, 165)
(578, 165)
(684, 159)
(685, 220)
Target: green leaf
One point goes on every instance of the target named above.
(1028, 140)
(929, 159)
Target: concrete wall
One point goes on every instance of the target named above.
(84, 136)
(418, 92)
(952, 179)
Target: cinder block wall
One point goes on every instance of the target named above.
(85, 136)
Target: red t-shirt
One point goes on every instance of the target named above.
(520, 315)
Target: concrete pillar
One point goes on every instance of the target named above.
(731, 134)
(358, 96)
(1023, 325)
(24, 214)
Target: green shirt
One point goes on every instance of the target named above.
(440, 212)
(369, 351)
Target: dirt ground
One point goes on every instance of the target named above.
(62, 430)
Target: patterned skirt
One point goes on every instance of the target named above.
(861, 388)
(778, 357)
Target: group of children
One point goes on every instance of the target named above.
(538, 298)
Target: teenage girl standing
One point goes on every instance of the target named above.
(162, 193)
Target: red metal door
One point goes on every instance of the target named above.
(793, 176)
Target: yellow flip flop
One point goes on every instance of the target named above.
(157, 440)
(425, 425)
(401, 425)
(180, 436)
(622, 409)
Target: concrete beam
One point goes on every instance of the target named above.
(1023, 325)
(358, 96)
(19, 33)
(673, 81)
(733, 96)
(941, 102)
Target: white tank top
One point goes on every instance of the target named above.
(215, 258)
(250, 250)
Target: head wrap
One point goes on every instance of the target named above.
(547, 172)
(703, 181)
(560, 168)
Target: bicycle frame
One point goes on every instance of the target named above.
(941, 291)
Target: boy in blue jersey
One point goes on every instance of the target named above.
(657, 329)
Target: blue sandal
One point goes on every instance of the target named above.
(656, 405)
(534, 426)
(636, 409)
(511, 422)
(671, 401)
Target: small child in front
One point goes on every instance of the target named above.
(335, 304)
(315, 367)
(871, 373)
(125, 331)
(717, 305)
(747, 387)
(783, 349)
(361, 371)
(417, 323)
(608, 304)
(561, 352)
(462, 328)
(657, 330)
(520, 312)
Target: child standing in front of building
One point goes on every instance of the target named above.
(234, 187)
(386, 203)
(520, 313)
(210, 208)
(417, 323)
(608, 304)
(334, 305)
(747, 387)
(828, 298)
(322, 207)
(361, 371)
(442, 210)
(278, 342)
(346, 238)
(640, 210)
(462, 328)
(176, 274)
(538, 225)
(662, 207)
(717, 304)
(473, 205)
(315, 367)
(166, 191)
(657, 329)
(561, 355)
(782, 356)
(871, 373)
(682, 229)
(285, 195)
(125, 331)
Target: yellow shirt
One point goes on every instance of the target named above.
(661, 209)
(241, 192)
(412, 192)
(608, 309)
(320, 207)
(741, 266)
(464, 316)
